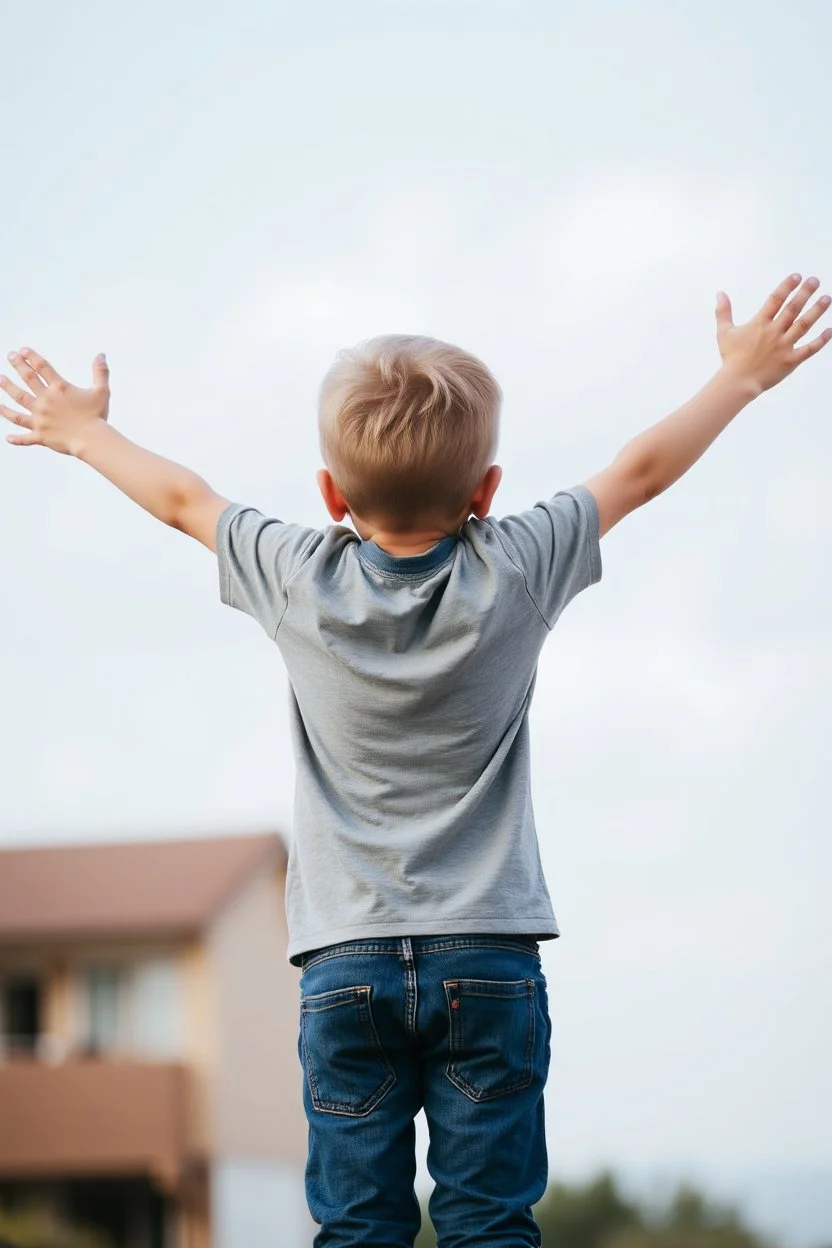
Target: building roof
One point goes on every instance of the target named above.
(136, 889)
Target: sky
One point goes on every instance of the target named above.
(220, 197)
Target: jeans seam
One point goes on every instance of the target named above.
(410, 986)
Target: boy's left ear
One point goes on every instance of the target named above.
(333, 498)
(484, 497)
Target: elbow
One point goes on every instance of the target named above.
(644, 481)
(176, 509)
(650, 487)
(649, 478)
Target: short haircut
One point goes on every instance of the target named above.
(408, 428)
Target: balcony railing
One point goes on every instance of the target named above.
(46, 1048)
(73, 1116)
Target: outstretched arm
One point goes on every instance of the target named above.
(73, 421)
(755, 357)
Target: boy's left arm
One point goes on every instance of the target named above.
(73, 421)
(755, 357)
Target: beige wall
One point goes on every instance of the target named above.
(258, 1111)
(200, 1009)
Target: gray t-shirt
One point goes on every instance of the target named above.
(411, 681)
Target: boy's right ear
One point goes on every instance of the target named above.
(335, 502)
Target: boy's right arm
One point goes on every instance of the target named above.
(170, 492)
(73, 421)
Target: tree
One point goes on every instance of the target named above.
(584, 1216)
(688, 1220)
(36, 1228)
(570, 1217)
(597, 1215)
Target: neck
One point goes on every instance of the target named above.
(400, 545)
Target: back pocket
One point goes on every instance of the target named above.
(491, 1036)
(345, 1065)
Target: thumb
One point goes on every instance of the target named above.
(724, 319)
(100, 372)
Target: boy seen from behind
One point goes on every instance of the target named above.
(415, 896)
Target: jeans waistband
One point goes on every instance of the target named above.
(395, 946)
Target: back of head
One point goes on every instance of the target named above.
(408, 429)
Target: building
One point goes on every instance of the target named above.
(149, 1077)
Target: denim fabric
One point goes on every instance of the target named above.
(457, 1025)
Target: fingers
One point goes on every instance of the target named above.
(22, 419)
(25, 371)
(804, 323)
(23, 397)
(17, 418)
(100, 372)
(789, 313)
(41, 366)
(22, 439)
(724, 317)
(778, 297)
(817, 344)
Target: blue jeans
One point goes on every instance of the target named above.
(457, 1025)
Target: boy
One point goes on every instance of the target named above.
(415, 897)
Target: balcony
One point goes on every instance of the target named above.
(93, 1116)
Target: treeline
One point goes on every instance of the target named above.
(598, 1215)
(34, 1227)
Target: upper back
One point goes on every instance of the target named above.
(411, 683)
(410, 675)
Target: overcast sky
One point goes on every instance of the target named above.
(222, 195)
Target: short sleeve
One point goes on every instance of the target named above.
(257, 557)
(556, 546)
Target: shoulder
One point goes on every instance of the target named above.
(245, 530)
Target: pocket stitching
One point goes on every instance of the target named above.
(455, 1029)
(359, 996)
(353, 992)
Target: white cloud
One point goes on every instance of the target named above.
(640, 229)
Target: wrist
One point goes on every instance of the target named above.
(742, 382)
(83, 444)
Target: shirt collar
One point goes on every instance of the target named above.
(408, 565)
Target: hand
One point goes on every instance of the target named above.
(764, 351)
(56, 414)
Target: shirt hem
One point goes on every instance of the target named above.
(223, 525)
(588, 502)
(541, 927)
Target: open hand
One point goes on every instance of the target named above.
(764, 350)
(55, 414)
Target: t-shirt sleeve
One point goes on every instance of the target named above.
(257, 557)
(556, 546)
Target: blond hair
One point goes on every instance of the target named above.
(408, 428)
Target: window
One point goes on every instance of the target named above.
(134, 1008)
(156, 1009)
(105, 1009)
(20, 1014)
